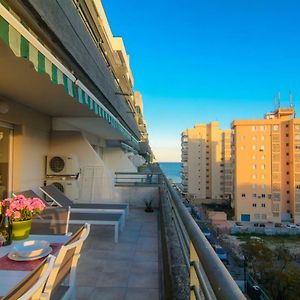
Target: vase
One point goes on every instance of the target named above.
(21, 229)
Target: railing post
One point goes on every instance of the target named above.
(194, 283)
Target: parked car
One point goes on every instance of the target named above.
(238, 223)
(279, 225)
(262, 225)
(290, 225)
(204, 229)
(221, 253)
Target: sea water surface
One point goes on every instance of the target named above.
(172, 170)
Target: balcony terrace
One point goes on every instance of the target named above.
(129, 269)
(160, 255)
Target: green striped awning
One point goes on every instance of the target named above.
(21, 47)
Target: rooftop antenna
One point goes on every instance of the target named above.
(278, 99)
(291, 99)
(275, 101)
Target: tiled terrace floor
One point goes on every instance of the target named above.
(128, 270)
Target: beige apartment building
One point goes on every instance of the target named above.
(266, 158)
(206, 166)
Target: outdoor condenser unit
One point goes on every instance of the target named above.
(67, 186)
(65, 165)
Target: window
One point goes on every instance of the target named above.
(253, 128)
(297, 137)
(262, 138)
(254, 195)
(297, 147)
(287, 201)
(253, 138)
(254, 166)
(262, 148)
(242, 148)
(263, 166)
(253, 157)
(263, 157)
(287, 182)
(243, 195)
(262, 128)
(298, 186)
(287, 135)
(263, 176)
(297, 127)
(254, 204)
(287, 192)
(263, 205)
(269, 196)
(275, 127)
(287, 144)
(254, 176)
(254, 147)
(263, 195)
(287, 125)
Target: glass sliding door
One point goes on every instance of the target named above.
(5, 160)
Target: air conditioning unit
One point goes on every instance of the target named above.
(69, 187)
(65, 165)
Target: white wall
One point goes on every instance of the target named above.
(117, 160)
(30, 145)
(136, 196)
(96, 181)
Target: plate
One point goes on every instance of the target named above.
(31, 248)
(14, 256)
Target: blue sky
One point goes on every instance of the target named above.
(197, 61)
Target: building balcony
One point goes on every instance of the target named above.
(134, 267)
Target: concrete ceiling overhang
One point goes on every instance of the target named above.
(20, 82)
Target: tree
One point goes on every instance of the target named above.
(274, 269)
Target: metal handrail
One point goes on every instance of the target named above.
(221, 282)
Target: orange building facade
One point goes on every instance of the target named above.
(266, 160)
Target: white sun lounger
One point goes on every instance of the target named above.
(92, 216)
(61, 200)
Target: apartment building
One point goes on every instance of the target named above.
(266, 157)
(206, 166)
(66, 96)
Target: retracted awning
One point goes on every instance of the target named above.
(15, 35)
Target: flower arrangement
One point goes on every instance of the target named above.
(20, 208)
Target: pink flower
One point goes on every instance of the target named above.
(22, 208)
(17, 215)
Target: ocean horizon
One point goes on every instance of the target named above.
(172, 170)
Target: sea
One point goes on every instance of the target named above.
(172, 170)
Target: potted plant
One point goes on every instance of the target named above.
(21, 210)
(148, 204)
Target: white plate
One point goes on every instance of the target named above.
(30, 248)
(14, 256)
